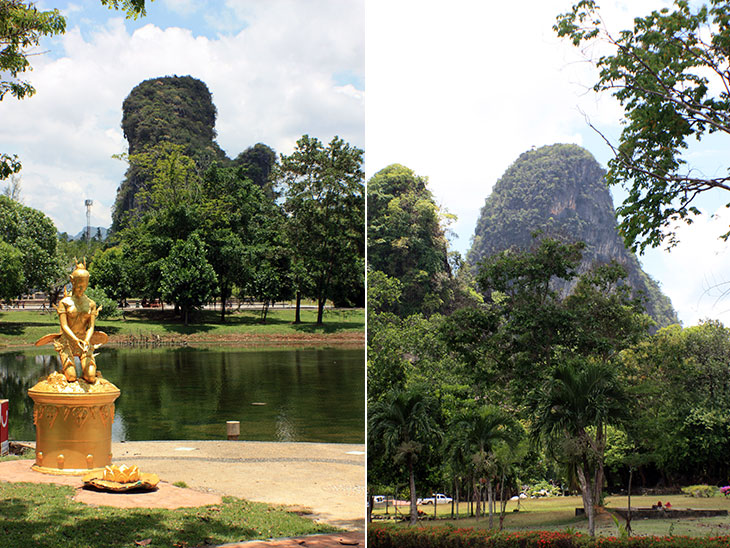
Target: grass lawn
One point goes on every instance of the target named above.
(44, 516)
(558, 514)
(24, 327)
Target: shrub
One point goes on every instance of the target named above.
(543, 489)
(109, 307)
(701, 491)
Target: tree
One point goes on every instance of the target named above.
(406, 240)
(478, 434)
(22, 26)
(533, 321)
(164, 177)
(187, 278)
(403, 421)
(324, 198)
(571, 414)
(33, 234)
(605, 317)
(226, 255)
(109, 270)
(670, 74)
(383, 292)
(245, 237)
(269, 281)
(682, 386)
(258, 163)
(11, 266)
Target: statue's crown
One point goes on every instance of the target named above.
(80, 270)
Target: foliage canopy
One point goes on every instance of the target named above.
(670, 73)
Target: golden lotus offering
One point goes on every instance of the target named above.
(121, 474)
(121, 478)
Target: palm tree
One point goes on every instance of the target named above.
(456, 464)
(477, 433)
(404, 421)
(571, 413)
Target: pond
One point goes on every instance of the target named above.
(278, 394)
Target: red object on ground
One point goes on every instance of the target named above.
(4, 426)
(668, 505)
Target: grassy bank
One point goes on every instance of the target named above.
(341, 326)
(45, 516)
(558, 514)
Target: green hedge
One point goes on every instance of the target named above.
(388, 536)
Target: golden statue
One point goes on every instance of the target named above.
(73, 417)
(77, 314)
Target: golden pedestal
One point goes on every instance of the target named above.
(73, 425)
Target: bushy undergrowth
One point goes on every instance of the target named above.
(701, 491)
(543, 489)
(380, 536)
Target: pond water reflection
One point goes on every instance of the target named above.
(279, 394)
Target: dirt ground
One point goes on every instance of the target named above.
(324, 479)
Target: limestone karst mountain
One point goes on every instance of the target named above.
(178, 110)
(559, 190)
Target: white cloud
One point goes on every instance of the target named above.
(272, 81)
(694, 274)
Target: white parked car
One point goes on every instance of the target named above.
(439, 498)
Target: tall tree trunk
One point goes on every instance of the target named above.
(478, 498)
(412, 480)
(503, 502)
(628, 512)
(491, 503)
(223, 307)
(320, 309)
(456, 490)
(587, 496)
(297, 316)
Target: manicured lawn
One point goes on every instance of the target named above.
(23, 327)
(558, 514)
(44, 516)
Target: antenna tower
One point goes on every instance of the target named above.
(88, 203)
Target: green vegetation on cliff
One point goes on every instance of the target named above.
(177, 110)
(559, 191)
(406, 240)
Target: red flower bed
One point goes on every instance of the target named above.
(447, 536)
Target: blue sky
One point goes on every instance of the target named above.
(458, 92)
(276, 69)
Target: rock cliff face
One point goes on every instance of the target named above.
(179, 110)
(559, 190)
